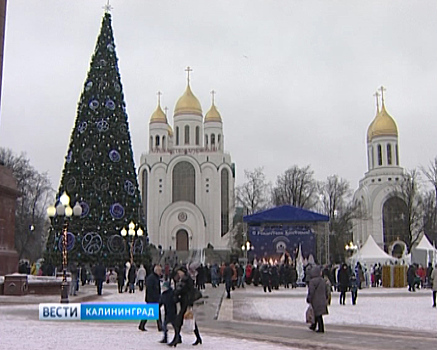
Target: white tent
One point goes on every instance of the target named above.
(424, 252)
(370, 253)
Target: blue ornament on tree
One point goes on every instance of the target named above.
(114, 156)
(117, 211)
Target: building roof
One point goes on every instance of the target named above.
(285, 214)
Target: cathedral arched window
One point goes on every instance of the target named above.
(372, 160)
(184, 182)
(219, 139)
(197, 136)
(389, 161)
(151, 143)
(187, 134)
(224, 201)
(212, 140)
(397, 155)
(177, 136)
(394, 221)
(163, 142)
(144, 193)
(157, 141)
(379, 155)
(206, 141)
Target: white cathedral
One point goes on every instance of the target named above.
(383, 210)
(187, 179)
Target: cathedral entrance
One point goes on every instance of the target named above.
(182, 240)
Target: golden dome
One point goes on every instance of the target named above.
(170, 130)
(213, 115)
(188, 104)
(158, 116)
(382, 125)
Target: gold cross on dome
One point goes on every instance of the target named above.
(382, 89)
(159, 93)
(188, 70)
(107, 7)
(213, 96)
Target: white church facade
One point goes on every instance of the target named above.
(187, 179)
(383, 211)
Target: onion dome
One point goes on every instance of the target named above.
(213, 115)
(188, 104)
(158, 116)
(382, 125)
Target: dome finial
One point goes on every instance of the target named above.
(107, 7)
(159, 93)
(376, 94)
(382, 89)
(188, 70)
(213, 96)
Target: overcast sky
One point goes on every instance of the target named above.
(294, 79)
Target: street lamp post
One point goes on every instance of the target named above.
(64, 210)
(245, 248)
(351, 247)
(131, 233)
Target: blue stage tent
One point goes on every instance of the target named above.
(284, 214)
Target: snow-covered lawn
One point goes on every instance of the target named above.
(375, 307)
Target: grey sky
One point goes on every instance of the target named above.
(294, 79)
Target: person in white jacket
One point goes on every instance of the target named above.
(141, 276)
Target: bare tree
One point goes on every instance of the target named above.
(30, 216)
(335, 197)
(296, 187)
(408, 191)
(429, 216)
(430, 201)
(254, 193)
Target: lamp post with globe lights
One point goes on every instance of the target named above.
(246, 248)
(352, 248)
(64, 210)
(132, 233)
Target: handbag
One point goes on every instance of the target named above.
(197, 294)
(188, 324)
(309, 315)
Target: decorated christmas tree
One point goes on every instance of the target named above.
(99, 171)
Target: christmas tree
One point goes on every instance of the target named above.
(99, 171)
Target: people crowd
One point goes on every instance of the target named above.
(176, 286)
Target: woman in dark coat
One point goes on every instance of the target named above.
(184, 295)
(343, 282)
(318, 298)
(132, 276)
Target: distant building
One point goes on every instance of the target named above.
(187, 179)
(384, 212)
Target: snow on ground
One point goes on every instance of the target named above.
(19, 324)
(375, 307)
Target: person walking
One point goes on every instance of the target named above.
(132, 277)
(74, 278)
(121, 274)
(266, 278)
(227, 276)
(153, 294)
(99, 277)
(184, 294)
(167, 299)
(411, 277)
(343, 282)
(433, 279)
(317, 296)
(141, 276)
